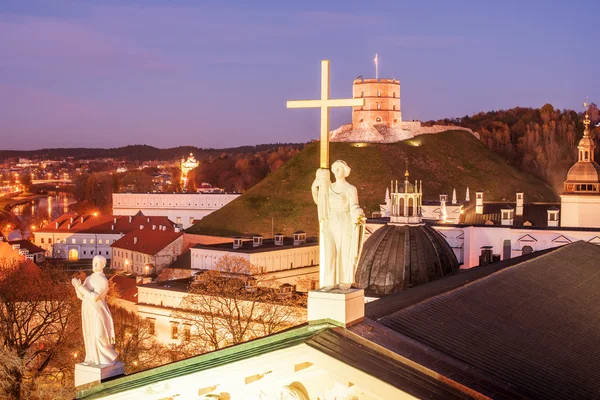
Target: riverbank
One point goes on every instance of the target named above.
(10, 201)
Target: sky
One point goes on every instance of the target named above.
(218, 73)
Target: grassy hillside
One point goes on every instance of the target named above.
(452, 159)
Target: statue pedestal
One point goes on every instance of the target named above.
(89, 375)
(343, 307)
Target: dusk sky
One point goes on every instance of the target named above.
(217, 74)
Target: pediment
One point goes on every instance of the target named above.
(527, 238)
(561, 239)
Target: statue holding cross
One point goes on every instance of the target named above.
(341, 220)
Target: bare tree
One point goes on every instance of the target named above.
(234, 303)
(36, 324)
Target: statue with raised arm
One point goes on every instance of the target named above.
(98, 328)
(341, 222)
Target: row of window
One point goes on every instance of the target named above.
(586, 188)
(92, 252)
(74, 241)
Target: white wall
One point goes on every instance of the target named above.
(180, 208)
(88, 245)
(276, 259)
(580, 210)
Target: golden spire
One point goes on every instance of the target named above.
(406, 172)
(586, 120)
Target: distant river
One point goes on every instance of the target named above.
(52, 207)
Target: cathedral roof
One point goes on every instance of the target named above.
(527, 323)
(398, 257)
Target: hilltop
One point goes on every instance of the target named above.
(452, 159)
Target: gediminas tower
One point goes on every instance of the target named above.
(382, 103)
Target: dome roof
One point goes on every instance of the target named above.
(584, 171)
(398, 257)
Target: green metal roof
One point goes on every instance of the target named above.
(253, 348)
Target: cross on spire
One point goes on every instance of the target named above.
(325, 103)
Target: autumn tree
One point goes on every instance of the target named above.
(234, 303)
(37, 326)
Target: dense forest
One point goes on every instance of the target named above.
(538, 140)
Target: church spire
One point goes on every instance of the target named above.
(586, 120)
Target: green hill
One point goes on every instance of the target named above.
(452, 159)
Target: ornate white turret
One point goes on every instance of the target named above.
(406, 202)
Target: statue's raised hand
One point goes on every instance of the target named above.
(76, 282)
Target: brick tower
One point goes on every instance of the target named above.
(382, 103)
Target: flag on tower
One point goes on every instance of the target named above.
(376, 67)
(375, 60)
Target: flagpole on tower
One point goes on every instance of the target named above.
(376, 67)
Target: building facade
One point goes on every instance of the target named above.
(146, 252)
(181, 208)
(75, 237)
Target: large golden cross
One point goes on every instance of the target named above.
(325, 103)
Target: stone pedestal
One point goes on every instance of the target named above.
(89, 375)
(344, 307)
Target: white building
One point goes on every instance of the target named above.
(77, 237)
(181, 208)
(146, 252)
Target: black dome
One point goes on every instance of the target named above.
(399, 257)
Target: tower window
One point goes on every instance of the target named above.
(394, 94)
(379, 93)
(378, 106)
(586, 156)
(378, 119)
(394, 107)
(362, 94)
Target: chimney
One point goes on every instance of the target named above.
(520, 201)
(112, 227)
(57, 225)
(69, 225)
(114, 220)
(479, 203)
(130, 218)
(72, 219)
(135, 240)
(153, 227)
(82, 220)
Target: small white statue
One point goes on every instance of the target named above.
(98, 328)
(341, 222)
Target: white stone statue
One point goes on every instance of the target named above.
(98, 328)
(341, 223)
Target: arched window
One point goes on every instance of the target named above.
(401, 213)
(394, 107)
(378, 106)
(410, 207)
(379, 93)
(586, 156)
(527, 250)
(378, 119)
(362, 94)
(393, 94)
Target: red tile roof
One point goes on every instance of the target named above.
(126, 286)
(75, 223)
(146, 241)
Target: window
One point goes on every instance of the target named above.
(91, 241)
(379, 93)
(186, 333)
(107, 241)
(174, 330)
(151, 326)
(73, 241)
(84, 252)
(393, 94)
(362, 94)
(92, 252)
(378, 106)
(84, 241)
(586, 156)
(378, 119)
(178, 220)
(42, 240)
(394, 107)
(49, 241)
(107, 253)
(191, 220)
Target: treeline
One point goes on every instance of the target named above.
(239, 172)
(541, 141)
(136, 152)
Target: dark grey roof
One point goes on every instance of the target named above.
(27, 245)
(398, 257)
(533, 325)
(536, 213)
